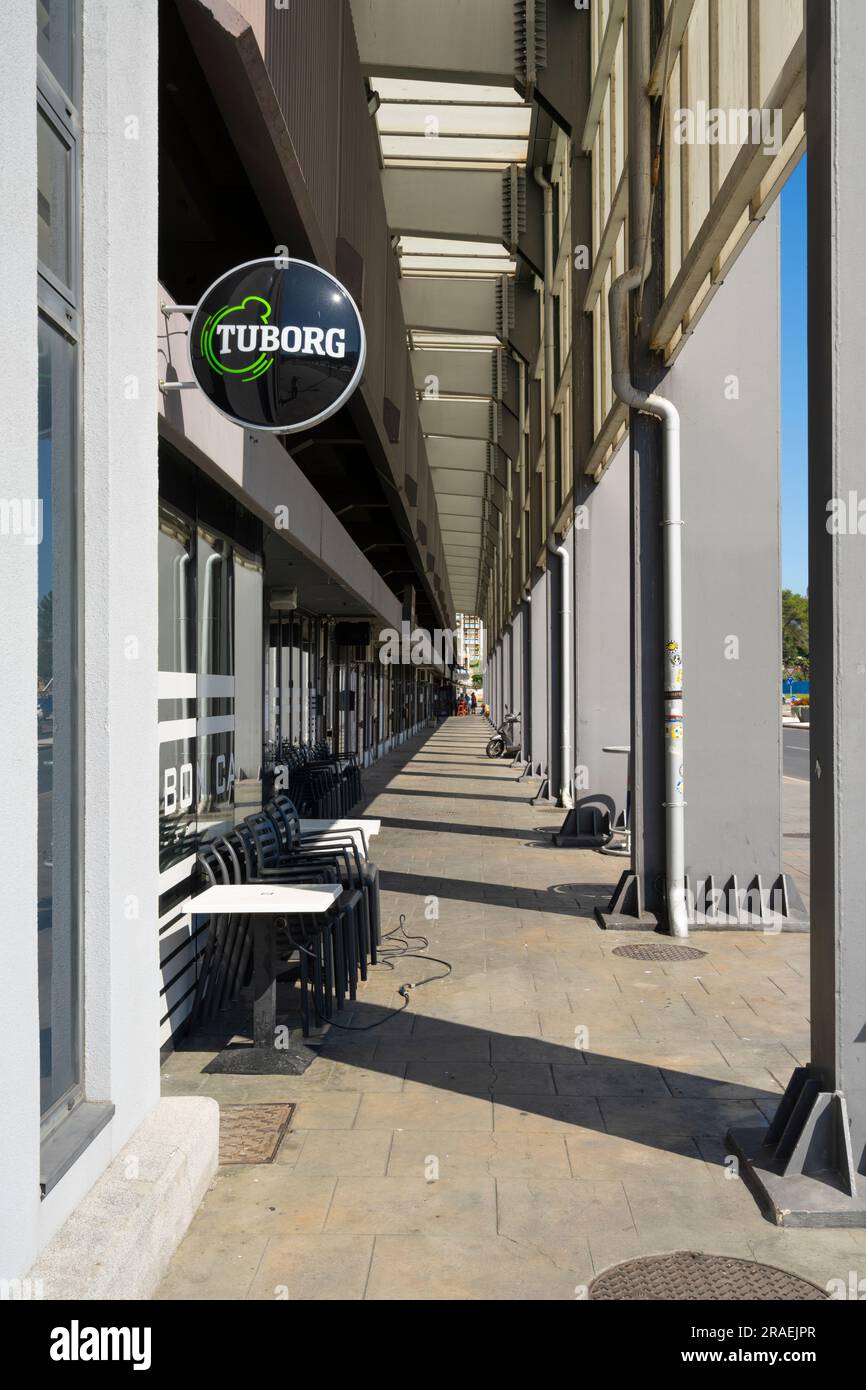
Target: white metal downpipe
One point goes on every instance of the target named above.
(565, 747)
(640, 212)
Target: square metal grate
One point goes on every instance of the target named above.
(253, 1133)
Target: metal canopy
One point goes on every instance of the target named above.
(454, 137)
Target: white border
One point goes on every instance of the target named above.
(281, 263)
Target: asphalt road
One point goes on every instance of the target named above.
(795, 752)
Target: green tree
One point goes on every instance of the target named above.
(795, 634)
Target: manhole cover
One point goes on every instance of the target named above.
(252, 1133)
(656, 951)
(688, 1276)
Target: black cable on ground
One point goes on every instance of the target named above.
(400, 951)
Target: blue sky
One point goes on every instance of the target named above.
(795, 552)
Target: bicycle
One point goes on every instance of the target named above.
(497, 745)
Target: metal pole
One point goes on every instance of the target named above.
(808, 1167)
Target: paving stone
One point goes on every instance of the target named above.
(264, 1199)
(469, 1046)
(349, 1153)
(381, 1075)
(480, 1079)
(546, 1114)
(330, 1110)
(312, 1268)
(595, 1154)
(425, 1108)
(415, 1268)
(462, 1207)
(459, 1154)
(619, 1081)
(212, 1263)
(556, 1215)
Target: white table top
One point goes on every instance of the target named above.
(370, 827)
(279, 898)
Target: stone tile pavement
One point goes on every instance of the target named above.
(546, 1110)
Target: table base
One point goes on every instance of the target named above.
(292, 1060)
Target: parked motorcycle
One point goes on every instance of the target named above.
(502, 739)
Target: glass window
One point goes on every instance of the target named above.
(56, 700)
(177, 635)
(54, 199)
(248, 596)
(55, 31)
(215, 580)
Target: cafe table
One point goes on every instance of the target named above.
(262, 901)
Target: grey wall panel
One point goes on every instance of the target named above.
(411, 430)
(731, 555)
(396, 354)
(359, 165)
(376, 263)
(507, 659)
(524, 335)
(302, 45)
(602, 633)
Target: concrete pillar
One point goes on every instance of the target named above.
(507, 691)
(540, 673)
(807, 1167)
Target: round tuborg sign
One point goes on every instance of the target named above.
(277, 344)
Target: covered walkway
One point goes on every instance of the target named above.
(545, 1111)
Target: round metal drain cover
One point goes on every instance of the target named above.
(689, 1277)
(656, 951)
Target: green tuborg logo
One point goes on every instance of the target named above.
(264, 338)
(252, 369)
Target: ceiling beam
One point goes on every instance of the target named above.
(437, 40)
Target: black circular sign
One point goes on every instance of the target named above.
(277, 344)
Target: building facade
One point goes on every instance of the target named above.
(193, 599)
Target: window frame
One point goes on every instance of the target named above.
(59, 305)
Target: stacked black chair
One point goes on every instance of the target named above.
(288, 822)
(229, 940)
(328, 945)
(320, 783)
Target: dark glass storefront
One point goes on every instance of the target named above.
(242, 681)
(210, 695)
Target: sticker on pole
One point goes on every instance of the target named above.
(277, 344)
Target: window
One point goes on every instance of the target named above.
(56, 46)
(58, 673)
